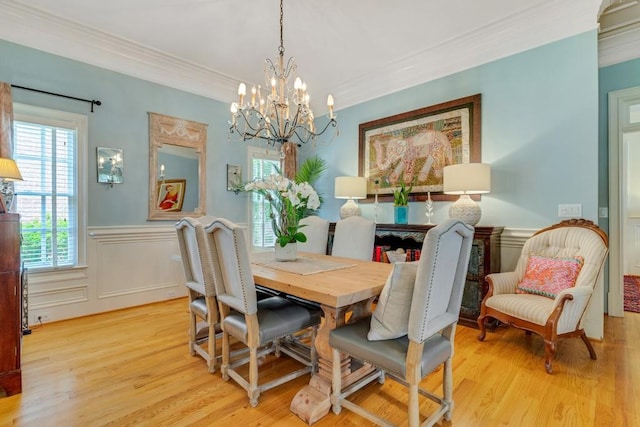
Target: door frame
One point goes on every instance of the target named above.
(619, 102)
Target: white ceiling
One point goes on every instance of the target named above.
(355, 49)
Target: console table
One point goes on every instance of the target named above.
(485, 258)
(10, 305)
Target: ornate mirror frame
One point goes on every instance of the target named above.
(178, 137)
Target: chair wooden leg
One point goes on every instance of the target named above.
(414, 406)
(225, 356)
(254, 391)
(482, 327)
(313, 353)
(211, 349)
(586, 341)
(550, 351)
(192, 334)
(447, 388)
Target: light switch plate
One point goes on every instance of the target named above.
(570, 210)
(603, 212)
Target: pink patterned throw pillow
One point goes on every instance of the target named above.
(548, 276)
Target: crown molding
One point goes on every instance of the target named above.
(39, 30)
(614, 48)
(535, 26)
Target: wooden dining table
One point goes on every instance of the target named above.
(345, 289)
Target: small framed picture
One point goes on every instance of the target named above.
(171, 194)
(234, 178)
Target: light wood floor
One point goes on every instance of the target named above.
(132, 367)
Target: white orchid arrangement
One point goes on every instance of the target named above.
(290, 202)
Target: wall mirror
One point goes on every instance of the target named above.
(177, 155)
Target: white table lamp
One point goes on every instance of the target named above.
(8, 172)
(465, 179)
(350, 188)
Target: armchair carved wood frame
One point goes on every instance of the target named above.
(552, 319)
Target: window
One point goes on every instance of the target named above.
(261, 163)
(49, 147)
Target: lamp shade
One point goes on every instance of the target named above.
(9, 170)
(350, 187)
(467, 178)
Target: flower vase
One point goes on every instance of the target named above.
(288, 252)
(401, 214)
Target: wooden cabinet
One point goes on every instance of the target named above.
(10, 313)
(485, 258)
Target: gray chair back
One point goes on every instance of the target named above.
(354, 238)
(440, 279)
(317, 231)
(231, 264)
(194, 253)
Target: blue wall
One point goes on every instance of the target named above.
(122, 122)
(539, 133)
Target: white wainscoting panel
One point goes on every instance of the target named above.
(126, 266)
(129, 263)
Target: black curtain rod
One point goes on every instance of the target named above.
(90, 101)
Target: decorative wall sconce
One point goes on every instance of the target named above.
(110, 166)
(234, 178)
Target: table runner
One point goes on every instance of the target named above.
(302, 265)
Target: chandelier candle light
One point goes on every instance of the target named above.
(284, 114)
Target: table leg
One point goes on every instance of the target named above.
(313, 401)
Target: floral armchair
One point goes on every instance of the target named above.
(551, 286)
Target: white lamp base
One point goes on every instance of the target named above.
(466, 210)
(350, 208)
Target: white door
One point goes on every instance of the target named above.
(624, 215)
(631, 201)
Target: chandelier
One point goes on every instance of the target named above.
(284, 114)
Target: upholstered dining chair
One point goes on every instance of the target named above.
(202, 294)
(260, 325)
(410, 334)
(550, 289)
(354, 238)
(317, 231)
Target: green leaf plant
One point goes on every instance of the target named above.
(401, 194)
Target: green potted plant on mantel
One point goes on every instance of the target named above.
(401, 203)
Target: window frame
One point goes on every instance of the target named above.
(263, 154)
(78, 122)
